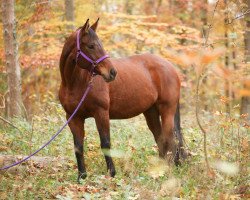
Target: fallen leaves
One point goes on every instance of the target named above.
(157, 168)
(171, 187)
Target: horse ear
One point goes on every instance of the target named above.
(94, 26)
(85, 27)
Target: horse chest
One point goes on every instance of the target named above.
(93, 102)
(69, 101)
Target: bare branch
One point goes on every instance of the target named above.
(238, 17)
(199, 81)
(210, 25)
(3, 101)
(11, 124)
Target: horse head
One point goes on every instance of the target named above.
(93, 55)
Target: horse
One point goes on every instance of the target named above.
(122, 88)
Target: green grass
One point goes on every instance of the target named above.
(140, 174)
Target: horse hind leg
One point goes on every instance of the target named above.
(153, 121)
(181, 153)
(166, 141)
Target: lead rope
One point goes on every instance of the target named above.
(59, 131)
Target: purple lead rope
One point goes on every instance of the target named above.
(57, 133)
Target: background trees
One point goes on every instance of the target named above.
(162, 27)
(245, 104)
(69, 12)
(13, 94)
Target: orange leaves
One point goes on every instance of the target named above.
(211, 56)
(246, 90)
(247, 83)
(223, 72)
(39, 60)
(199, 59)
(41, 12)
(207, 57)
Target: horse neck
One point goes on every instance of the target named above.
(71, 73)
(74, 75)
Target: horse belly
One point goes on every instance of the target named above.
(132, 103)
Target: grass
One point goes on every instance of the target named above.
(140, 174)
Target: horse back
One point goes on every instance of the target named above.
(142, 81)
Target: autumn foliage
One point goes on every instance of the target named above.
(206, 41)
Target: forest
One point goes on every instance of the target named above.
(207, 41)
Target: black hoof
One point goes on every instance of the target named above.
(81, 176)
(112, 172)
(180, 157)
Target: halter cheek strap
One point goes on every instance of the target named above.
(79, 52)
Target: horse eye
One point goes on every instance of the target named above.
(91, 46)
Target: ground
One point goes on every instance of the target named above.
(140, 173)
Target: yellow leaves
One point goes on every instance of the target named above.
(184, 30)
(151, 24)
(133, 17)
(218, 113)
(158, 167)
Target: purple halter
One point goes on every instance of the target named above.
(93, 62)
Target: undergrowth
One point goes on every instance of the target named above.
(140, 174)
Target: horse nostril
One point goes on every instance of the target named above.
(113, 72)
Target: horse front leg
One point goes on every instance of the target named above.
(103, 126)
(77, 128)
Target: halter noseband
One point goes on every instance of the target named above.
(93, 62)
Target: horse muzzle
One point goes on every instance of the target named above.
(110, 76)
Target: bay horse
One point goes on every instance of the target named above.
(123, 88)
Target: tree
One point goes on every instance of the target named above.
(226, 43)
(14, 103)
(69, 13)
(204, 19)
(245, 103)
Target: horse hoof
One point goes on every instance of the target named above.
(112, 173)
(81, 176)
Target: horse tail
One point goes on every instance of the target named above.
(178, 133)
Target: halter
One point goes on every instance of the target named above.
(93, 62)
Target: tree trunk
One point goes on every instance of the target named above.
(245, 102)
(204, 36)
(204, 19)
(227, 84)
(150, 7)
(11, 54)
(129, 7)
(69, 13)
